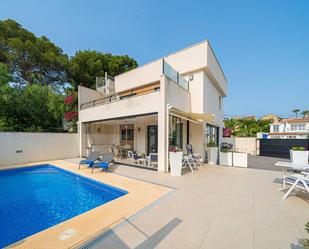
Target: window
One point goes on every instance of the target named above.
(127, 132)
(301, 127)
(276, 128)
(220, 102)
(294, 127)
(212, 134)
(297, 127)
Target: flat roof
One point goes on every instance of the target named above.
(178, 51)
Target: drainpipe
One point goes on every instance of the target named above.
(169, 106)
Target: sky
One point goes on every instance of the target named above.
(262, 45)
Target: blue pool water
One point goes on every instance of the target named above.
(35, 198)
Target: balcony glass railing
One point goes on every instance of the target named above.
(175, 76)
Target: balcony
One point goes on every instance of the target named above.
(127, 94)
(167, 70)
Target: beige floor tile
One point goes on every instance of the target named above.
(229, 233)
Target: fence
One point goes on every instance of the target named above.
(280, 147)
(243, 144)
(23, 147)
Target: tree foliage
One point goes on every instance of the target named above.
(33, 69)
(4, 74)
(296, 111)
(243, 127)
(31, 59)
(31, 108)
(71, 110)
(305, 113)
(86, 65)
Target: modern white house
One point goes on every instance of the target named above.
(170, 102)
(290, 128)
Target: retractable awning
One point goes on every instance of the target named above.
(193, 116)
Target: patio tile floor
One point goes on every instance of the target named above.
(215, 207)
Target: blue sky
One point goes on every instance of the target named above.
(263, 46)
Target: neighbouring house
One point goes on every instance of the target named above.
(290, 128)
(274, 118)
(140, 114)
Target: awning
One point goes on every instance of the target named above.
(193, 116)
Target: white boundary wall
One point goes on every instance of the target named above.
(24, 147)
(243, 144)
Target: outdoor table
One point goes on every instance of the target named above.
(292, 166)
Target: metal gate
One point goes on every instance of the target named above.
(280, 147)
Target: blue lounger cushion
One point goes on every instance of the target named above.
(103, 165)
(87, 161)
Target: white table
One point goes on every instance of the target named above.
(292, 166)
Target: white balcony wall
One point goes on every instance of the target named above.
(86, 95)
(177, 96)
(137, 105)
(140, 76)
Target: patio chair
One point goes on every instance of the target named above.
(187, 160)
(196, 157)
(152, 159)
(297, 180)
(104, 162)
(93, 156)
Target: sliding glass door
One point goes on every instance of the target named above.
(152, 139)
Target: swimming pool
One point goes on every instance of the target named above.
(38, 197)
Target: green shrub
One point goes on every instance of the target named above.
(299, 148)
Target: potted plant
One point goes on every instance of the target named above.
(175, 156)
(299, 155)
(226, 155)
(240, 159)
(212, 152)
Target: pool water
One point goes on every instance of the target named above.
(38, 197)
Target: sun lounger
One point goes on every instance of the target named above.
(93, 156)
(104, 162)
(289, 166)
(297, 181)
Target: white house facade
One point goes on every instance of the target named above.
(170, 102)
(297, 128)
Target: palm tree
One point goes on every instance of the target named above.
(296, 111)
(232, 124)
(247, 127)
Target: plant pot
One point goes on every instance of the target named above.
(240, 159)
(175, 163)
(212, 155)
(226, 158)
(298, 156)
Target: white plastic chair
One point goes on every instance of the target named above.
(297, 180)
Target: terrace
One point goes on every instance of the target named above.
(216, 207)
